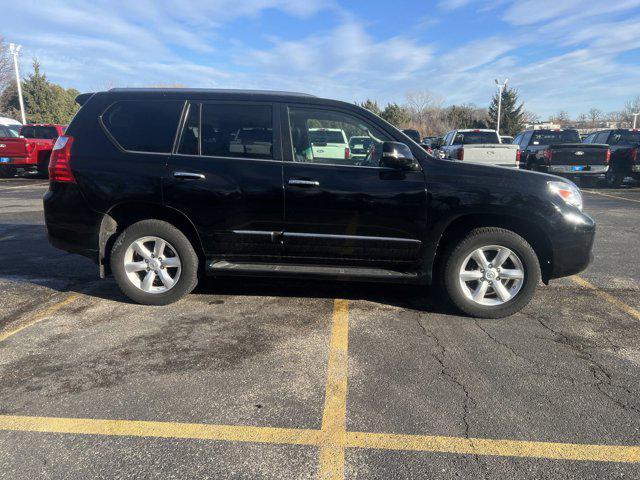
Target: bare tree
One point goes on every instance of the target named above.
(631, 107)
(595, 114)
(561, 118)
(6, 65)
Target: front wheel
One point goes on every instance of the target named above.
(491, 273)
(154, 263)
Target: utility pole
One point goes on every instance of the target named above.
(635, 117)
(15, 50)
(501, 87)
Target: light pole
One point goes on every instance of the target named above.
(15, 50)
(501, 87)
(635, 117)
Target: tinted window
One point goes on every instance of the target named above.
(244, 131)
(543, 137)
(625, 137)
(306, 123)
(601, 137)
(39, 132)
(9, 131)
(467, 138)
(144, 126)
(412, 134)
(589, 138)
(190, 137)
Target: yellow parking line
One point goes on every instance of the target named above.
(612, 196)
(134, 428)
(334, 418)
(605, 296)
(292, 436)
(499, 448)
(40, 316)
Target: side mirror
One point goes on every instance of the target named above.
(397, 155)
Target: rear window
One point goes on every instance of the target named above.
(143, 126)
(326, 136)
(625, 137)
(468, 138)
(9, 131)
(555, 137)
(29, 131)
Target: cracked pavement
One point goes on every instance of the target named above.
(254, 352)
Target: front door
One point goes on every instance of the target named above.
(226, 177)
(341, 207)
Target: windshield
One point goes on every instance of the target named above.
(555, 137)
(467, 138)
(9, 131)
(39, 132)
(326, 136)
(625, 137)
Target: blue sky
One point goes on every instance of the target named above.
(560, 54)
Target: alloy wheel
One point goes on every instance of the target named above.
(152, 264)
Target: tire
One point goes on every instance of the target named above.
(7, 173)
(184, 276)
(523, 263)
(614, 179)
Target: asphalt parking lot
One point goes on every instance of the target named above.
(281, 379)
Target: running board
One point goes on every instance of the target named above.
(224, 267)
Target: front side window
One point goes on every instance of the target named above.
(143, 126)
(335, 138)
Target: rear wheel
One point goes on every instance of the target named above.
(614, 179)
(7, 172)
(154, 263)
(491, 273)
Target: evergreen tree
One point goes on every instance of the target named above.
(370, 105)
(511, 114)
(44, 102)
(395, 114)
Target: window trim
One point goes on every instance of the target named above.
(276, 131)
(286, 132)
(124, 150)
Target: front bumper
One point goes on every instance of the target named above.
(573, 238)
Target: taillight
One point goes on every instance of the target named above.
(60, 161)
(548, 155)
(347, 153)
(460, 155)
(634, 155)
(607, 159)
(518, 158)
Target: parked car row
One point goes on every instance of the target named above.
(610, 153)
(26, 148)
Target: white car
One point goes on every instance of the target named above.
(9, 128)
(479, 146)
(329, 143)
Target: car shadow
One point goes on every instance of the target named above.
(64, 272)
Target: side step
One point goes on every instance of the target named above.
(223, 267)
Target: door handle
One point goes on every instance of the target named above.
(304, 183)
(192, 175)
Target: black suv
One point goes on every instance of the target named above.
(160, 186)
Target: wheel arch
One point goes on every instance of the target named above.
(122, 215)
(459, 227)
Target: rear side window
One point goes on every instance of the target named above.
(30, 131)
(143, 126)
(236, 130)
(625, 137)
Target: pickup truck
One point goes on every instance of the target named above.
(30, 150)
(624, 145)
(560, 151)
(329, 144)
(478, 146)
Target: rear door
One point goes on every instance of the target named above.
(226, 176)
(348, 213)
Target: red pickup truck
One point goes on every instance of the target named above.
(29, 151)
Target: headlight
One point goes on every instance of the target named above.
(567, 192)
